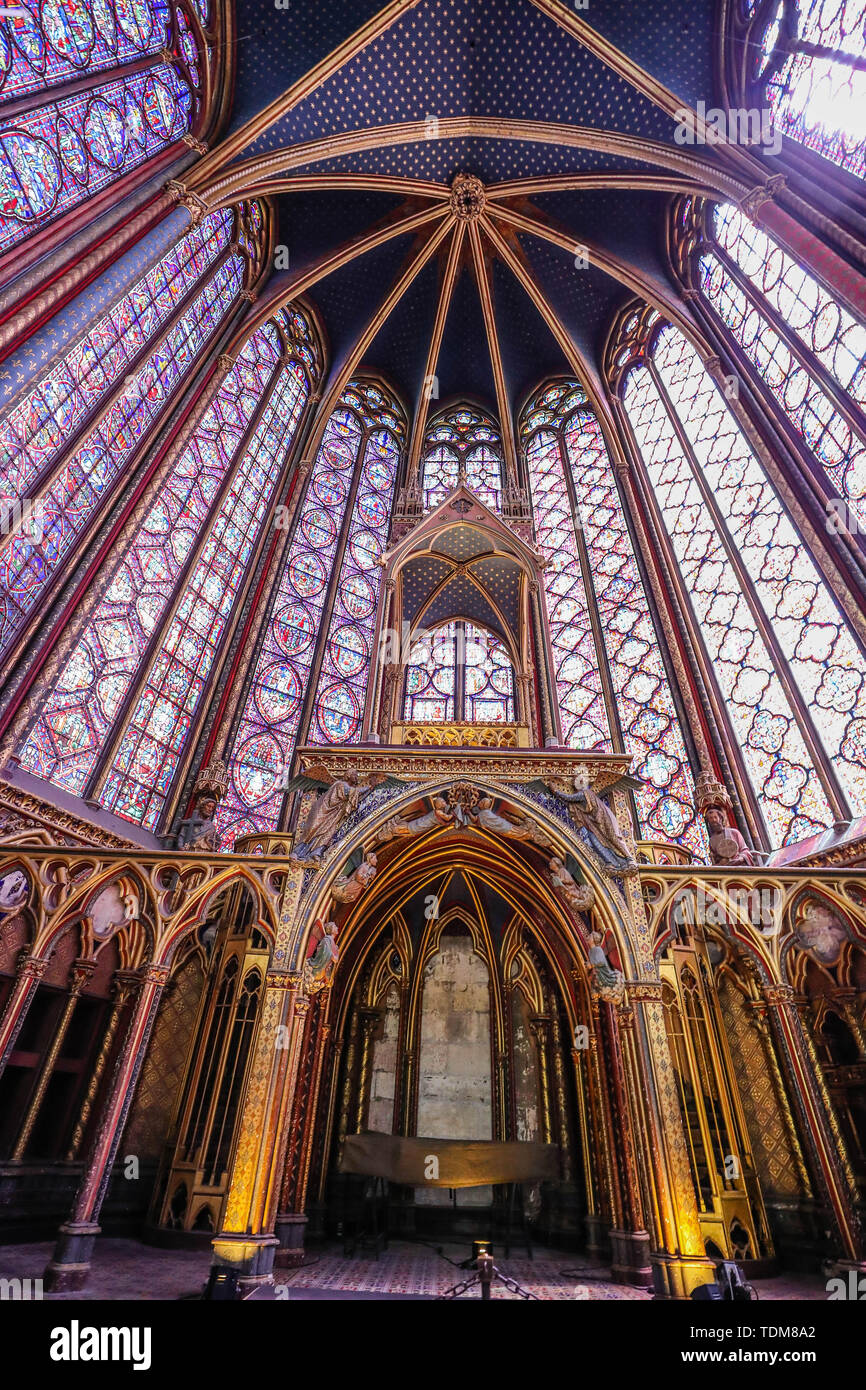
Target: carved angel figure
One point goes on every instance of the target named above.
(440, 814)
(579, 896)
(323, 960)
(589, 813)
(349, 886)
(604, 977)
(484, 817)
(340, 797)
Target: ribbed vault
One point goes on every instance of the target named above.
(492, 222)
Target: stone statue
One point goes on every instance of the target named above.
(604, 977)
(340, 797)
(589, 813)
(397, 828)
(727, 845)
(347, 888)
(579, 896)
(321, 963)
(199, 830)
(482, 816)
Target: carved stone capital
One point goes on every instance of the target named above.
(751, 203)
(282, 979)
(31, 968)
(154, 974)
(81, 972)
(776, 995)
(644, 991)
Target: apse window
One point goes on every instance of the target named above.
(459, 672)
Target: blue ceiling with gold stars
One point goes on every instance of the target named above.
(505, 62)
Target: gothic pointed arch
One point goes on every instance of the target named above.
(155, 639)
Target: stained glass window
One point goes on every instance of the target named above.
(348, 650)
(583, 714)
(38, 426)
(459, 672)
(815, 79)
(364, 427)
(60, 40)
(807, 355)
(180, 573)
(64, 152)
(81, 480)
(563, 432)
(462, 445)
(789, 668)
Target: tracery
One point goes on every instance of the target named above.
(71, 438)
(59, 149)
(806, 348)
(599, 613)
(462, 444)
(808, 61)
(462, 672)
(788, 665)
(173, 591)
(357, 459)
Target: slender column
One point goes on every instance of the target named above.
(124, 983)
(399, 1070)
(29, 973)
(547, 674)
(823, 1138)
(848, 1000)
(629, 1243)
(310, 1132)
(245, 1243)
(679, 1261)
(762, 1022)
(70, 1265)
(333, 1061)
(539, 1028)
(560, 1088)
(290, 1221)
(369, 1019)
(604, 1119)
(81, 973)
(348, 1078)
(592, 1220)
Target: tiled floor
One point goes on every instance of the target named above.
(125, 1269)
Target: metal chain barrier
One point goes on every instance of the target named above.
(485, 1275)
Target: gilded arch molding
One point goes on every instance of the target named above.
(610, 906)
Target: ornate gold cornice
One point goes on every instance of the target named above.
(494, 764)
(33, 811)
